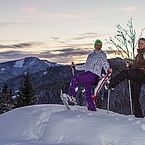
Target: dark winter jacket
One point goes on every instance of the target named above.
(139, 61)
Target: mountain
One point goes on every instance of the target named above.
(46, 83)
(15, 68)
(54, 125)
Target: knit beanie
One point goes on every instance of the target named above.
(97, 41)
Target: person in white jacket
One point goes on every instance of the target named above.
(93, 67)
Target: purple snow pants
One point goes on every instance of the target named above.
(88, 79)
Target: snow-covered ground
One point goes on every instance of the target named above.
(50, 64)
(19, 63)
(54, 125)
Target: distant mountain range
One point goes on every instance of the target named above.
(15, 68)
(45, 76)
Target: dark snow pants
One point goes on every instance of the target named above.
(137, 78)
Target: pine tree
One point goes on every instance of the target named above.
(6, 101)
(26, 94)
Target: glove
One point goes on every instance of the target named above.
(128, 64)
(109, 70)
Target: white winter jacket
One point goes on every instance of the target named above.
(95, 62)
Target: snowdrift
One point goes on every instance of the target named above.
(54, 125)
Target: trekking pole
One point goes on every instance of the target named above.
(73, 73)
(109, 92)
(129, 87)
(108, 101)
(73, 68)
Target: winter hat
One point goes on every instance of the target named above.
(97, 41)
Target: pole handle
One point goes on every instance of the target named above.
(73, 68)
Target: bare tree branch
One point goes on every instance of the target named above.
(125, 40)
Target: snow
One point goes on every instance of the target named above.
(14, 97)
(3, 69)
(45, 73)
(54, 125)
(48, 63)
(19, 63)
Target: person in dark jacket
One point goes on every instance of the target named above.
(136, 73)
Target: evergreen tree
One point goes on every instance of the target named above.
(26, 94)
(6, 101)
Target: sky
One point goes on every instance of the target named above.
(62, 30)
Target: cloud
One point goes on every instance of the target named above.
(65, 55)
(71, 42)
(129, 9)
(91, 35)
(20, 45)
(12, 54)
(82, 45)
(57, 39)
(75, 45)
(86, 35)
(76, 42)
(66, 52)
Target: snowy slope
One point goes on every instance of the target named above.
(19, 63)
(54, 125)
